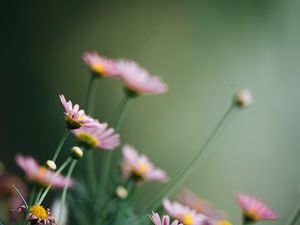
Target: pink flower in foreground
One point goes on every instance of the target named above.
(38, 215)
(184, 214)
(201, 206)
(139, 167)
(41, 174)
(98, 136)
(100, 65)
(138, 80)
(164, 221)
(75, 117)
(255, 210)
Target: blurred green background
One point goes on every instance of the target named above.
(205, 50)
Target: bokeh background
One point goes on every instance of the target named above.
(205, 50)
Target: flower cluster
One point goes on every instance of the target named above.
(112, 174)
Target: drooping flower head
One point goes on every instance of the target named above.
(38, 215)
(200, 205)
(100, 65)
(164, 221)
(137, 80)
(139, 168)
(184, 214)
(75, 117)
(98, 136)
(41, 174)
(254, 210)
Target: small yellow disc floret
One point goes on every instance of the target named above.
(39, 211)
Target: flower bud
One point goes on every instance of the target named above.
(243, 98)
(121, 192)
(76, 152)
(51, 164)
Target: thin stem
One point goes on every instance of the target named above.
(38, 195)
(63, 166)
(20, 195)
(292, 220)
(120, 114)
(32, 194)
(187, 171)
(91, 94)
(61, 143)
(121, 111)
(90, 166)
(64, 193)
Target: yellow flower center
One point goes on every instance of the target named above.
(73, 124)
(187, 219)
(39, 211)
(143, 168)
(224, 222)
(80, 118)
(98, 68)
(253, 214)
(42, 170)
(88, 140)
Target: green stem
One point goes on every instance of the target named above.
(61, 143)
(63, 166)
(20, 195)
(292, 220)
(32, 194)
(64, 193)
(121, 111)
(120, 114)
(90, 167)
(187, 171)
(91, 94)
(38, 195)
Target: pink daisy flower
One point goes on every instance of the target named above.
(184, 214)
(38, 215)
(200, 205)
(41, 174)
(139, 167)
(138, 80)
(98, 136)
(255, 210)
(100, 65)
(164, 221)
(75, 117)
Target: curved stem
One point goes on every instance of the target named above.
(91, 94)
(20, 195)
(121, 111)
(190, 168)
(61, 143)
(292, 220)
(64, 193)
(63, 166)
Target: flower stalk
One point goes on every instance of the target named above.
(61, 143)
(64, 193)
(190, 168)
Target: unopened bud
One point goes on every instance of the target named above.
(243, 98)
(121, 192)
(76, 152)
(51, 164)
